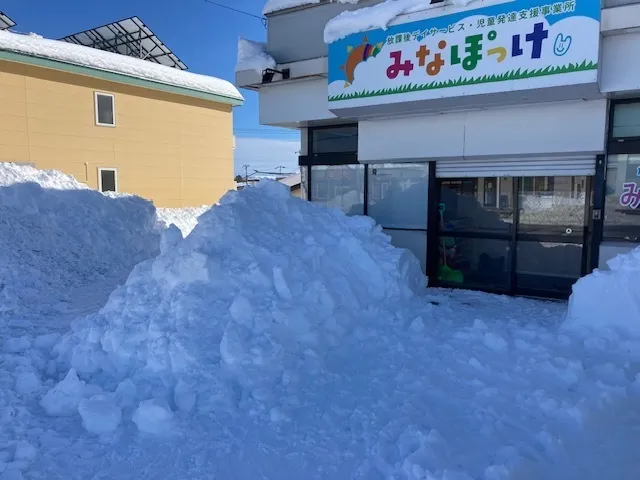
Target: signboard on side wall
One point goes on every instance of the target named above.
(504, 47)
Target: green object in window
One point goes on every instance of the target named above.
(447, 274)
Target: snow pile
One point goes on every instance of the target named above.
(264, 286)
(376, 16)
(609, 298)
(273, 6)
(253, 56)
(113, 62)
(185, 218)
(57, 236)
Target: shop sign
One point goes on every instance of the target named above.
(517, 45)
(630, 196)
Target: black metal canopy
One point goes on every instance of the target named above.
(6, 22)
(130, 37)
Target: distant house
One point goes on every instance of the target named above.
(115, 122)
(293, 182)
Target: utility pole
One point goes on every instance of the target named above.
(246, 175)
(280, 167)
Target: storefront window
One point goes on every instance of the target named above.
(622, 205)
(338, 139)
(339, 186)
(398, 195)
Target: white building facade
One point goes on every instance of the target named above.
(499, 141)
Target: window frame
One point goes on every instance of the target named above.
(311, 130)
(96, 94)
(617, 146)
(108, 169)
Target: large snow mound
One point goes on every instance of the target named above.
(37, 46)
(264, 284)
(57, 235)
(609, 298)
(185, 218)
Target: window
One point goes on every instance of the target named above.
(626, 120)
(108, 179)
(339, 186)
(622, 202)
(338, 139)
(105, 111)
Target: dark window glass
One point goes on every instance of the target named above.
(342, 139)
(626, 120)
(105, 109)
(471, 204)
(108, 180)
(547, 266)
(339, 186)
(474, 262)
(622, 205)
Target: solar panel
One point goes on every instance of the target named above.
(130, 37)
(6, 22)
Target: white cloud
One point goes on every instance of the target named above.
(265, 154)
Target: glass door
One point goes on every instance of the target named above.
(551, 233)
(476, 221)
(513, 235)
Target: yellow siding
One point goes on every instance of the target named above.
(174, 150)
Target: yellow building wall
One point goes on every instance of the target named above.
(174, 150)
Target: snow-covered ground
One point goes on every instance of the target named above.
(280, 339)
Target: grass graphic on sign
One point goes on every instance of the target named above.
(518, 74)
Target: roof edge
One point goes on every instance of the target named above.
(121, 78)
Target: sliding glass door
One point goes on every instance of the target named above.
(513, 235)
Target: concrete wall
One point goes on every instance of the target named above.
(534, 129)
(293, 104)
(299, 34)
(174, 150)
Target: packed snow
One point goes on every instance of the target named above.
(253, 56)
(185, 218)
(377, 16)
(112, 62)
(59, 239)
(282, 339)
(609, 298)
(273, 6)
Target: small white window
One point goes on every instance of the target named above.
(105, 110)
(108, 179)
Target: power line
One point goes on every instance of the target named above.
(242, 12)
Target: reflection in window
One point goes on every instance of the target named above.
(556, 201)
(398, 195)
(547, 266)
(622, 204)
(476, 204)
(339, 186)
(338, 139)
(626, 120)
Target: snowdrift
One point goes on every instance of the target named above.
(609, 298)
(263, 287)
(57, 235)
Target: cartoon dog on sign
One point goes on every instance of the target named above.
(361, 53)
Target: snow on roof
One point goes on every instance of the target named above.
(37, 46)
(253, 56)
(273, 6)
(377, 16)
(291, 180)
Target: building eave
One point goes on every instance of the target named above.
(114, 77)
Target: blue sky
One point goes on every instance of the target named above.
(204, 36)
